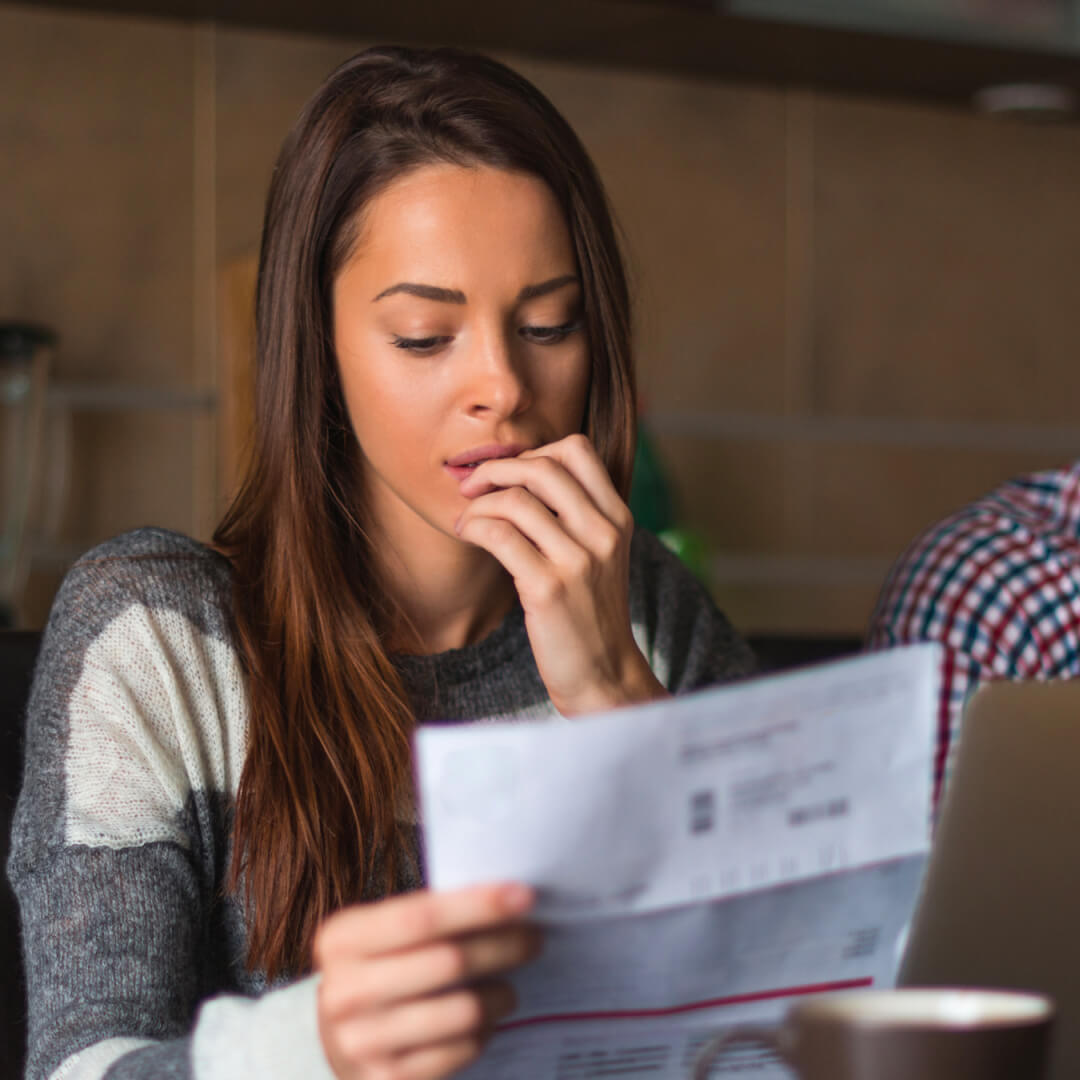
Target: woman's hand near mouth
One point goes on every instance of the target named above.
(553, 519)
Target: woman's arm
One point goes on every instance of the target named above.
(135, 734)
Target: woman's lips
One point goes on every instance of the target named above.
(462, 466)
(460, 472)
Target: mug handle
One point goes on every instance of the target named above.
(747, 1033)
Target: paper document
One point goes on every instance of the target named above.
(699, 862)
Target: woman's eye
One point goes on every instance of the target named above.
(550, 335)
(422, 346)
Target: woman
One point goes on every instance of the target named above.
(432, 528)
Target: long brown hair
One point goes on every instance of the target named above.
(328, 763)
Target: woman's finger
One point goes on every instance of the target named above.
(557, 489)
(431, 1062)
(578, 456)
(378, 983)
(532, 518)
(535, 578)
(402, 922)
(428, 1021)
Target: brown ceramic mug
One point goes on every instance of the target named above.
(938, 1034)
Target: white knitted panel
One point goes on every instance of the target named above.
(275, 1035)
(94, 1062)
(660, 664)
(159, 711)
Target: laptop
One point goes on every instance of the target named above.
(1000, 905)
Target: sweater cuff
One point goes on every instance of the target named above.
(273, 1035)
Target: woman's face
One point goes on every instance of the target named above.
(459, 336)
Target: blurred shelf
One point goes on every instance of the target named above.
(817, 43)
(123, 397)
(907, 432)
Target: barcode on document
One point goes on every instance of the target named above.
(832, 808)
(702, 811)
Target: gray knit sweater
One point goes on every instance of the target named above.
(136, 737)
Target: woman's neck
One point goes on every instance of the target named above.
(455, 595)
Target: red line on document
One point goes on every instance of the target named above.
(694, 1006)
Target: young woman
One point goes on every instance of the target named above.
(216, 849)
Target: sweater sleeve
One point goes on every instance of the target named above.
(135, 738)
(687, 640)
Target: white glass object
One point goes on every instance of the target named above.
(1036, 24)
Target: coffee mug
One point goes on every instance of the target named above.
(928, 1034)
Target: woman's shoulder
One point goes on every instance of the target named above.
(649, 550)
(156, 569)
(137, 680)
(150, 546)
(687, 640)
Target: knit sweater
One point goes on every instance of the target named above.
(137, 730)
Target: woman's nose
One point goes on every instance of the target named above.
(497, 384)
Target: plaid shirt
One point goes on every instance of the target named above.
(998, 584)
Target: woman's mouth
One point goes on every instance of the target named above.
(465, 464)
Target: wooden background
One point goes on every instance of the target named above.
(854, 314)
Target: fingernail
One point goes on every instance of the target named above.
(517, 898)
(457, 524)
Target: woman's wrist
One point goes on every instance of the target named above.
(642, 685)
(635, 685)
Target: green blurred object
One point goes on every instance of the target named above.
(652, 505)
(689, 547)
(650, 493)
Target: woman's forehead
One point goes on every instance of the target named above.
(452, 224)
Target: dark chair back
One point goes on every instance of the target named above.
(779, 652)
(18, 650)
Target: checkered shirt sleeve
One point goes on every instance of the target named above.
(998, 585)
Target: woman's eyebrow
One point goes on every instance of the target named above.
(425, 292)
(456, 296)
(531, 292)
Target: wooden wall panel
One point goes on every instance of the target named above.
(236, 401)
(96, 189)
(96, 240)
(871, 500)
(729, 491)
(947, 265)
(798, 260)
(262, 82)
(118, 488)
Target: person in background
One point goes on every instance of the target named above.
(216, 849)
(998, 585)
